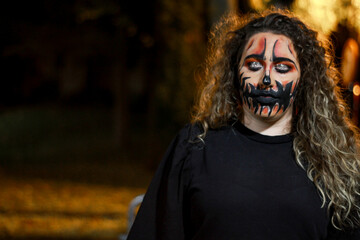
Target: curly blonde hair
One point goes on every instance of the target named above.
(325, 141)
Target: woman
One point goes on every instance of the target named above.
(270, 154)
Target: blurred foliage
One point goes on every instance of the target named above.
(76, 52)
(184, 32)
(56, 135)
(63, 173)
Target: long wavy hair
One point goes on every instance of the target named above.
(325, 141)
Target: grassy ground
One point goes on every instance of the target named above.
(56, 135)
(46, 208)
(62, 176)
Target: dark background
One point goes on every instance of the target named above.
(91, 93)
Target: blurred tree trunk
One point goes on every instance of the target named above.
(73, 76)
(153, 64)
(121, 103)
(242, 6)
(180, 31)
(152, 147)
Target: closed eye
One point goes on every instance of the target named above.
(283, 68)
(254, 66)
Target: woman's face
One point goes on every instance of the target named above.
(269, 72)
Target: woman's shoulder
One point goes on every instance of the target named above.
(193, 133)
(196, 130)
(190, 132)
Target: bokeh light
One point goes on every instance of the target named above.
(356, 89)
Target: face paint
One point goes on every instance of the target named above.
(269, 73)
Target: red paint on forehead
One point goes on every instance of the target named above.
(281, 49)
(291, 48)
(250, 44)
(259, 46)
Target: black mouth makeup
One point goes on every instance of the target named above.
(265, 99)
(262, 93)
(254, 97)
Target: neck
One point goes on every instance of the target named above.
(272, 126)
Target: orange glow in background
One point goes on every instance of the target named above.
(322, 15)
(356, 89)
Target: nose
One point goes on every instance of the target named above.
(266, 80)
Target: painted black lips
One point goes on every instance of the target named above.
(265, 99)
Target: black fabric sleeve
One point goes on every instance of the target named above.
(161, 214)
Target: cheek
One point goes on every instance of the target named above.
(254, 77)
(295, 84)
(286, 78)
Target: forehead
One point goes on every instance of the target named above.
(282, 42)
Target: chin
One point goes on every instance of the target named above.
(269, 116)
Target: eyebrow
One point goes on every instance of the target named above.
(283, 59)
(256, 56)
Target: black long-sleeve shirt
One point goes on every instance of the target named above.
(237, 184)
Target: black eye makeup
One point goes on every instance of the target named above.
(282, 68)
(254, 65)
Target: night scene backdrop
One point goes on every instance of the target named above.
(93, 91)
